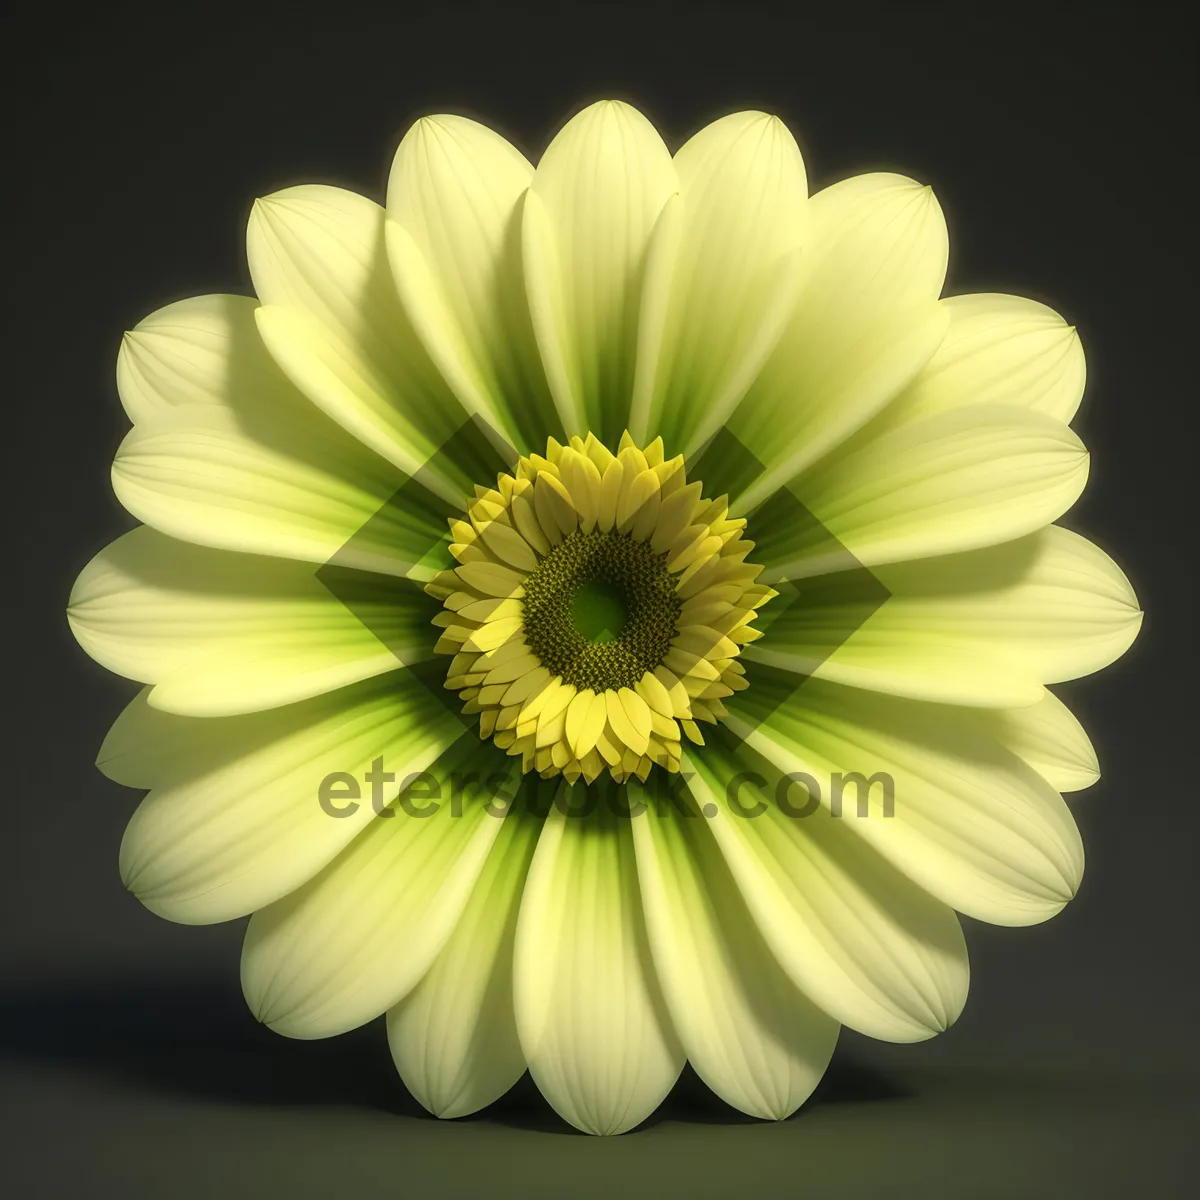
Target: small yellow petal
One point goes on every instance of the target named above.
(494, 634)
(491, 695)
(633, 737)
(675, 515)
(593, 726)
(695, 555)
(637, 492)
(681, 703)
(508, 717)
(700, 610)
(665, 728)
(584, 482)
(577, 717)
(632, 459)
(469, 552)
(491, 579)
(610, 492)
(509, 546)
(555, 512)
(513, 667)
(593, 764)
(529, 685)
(704, 642)
(551, 728)
(527, 524)
(636, 709)
(555, 696)
(607, 744)
(451, 641)
(651, 689)
(492, 609)
(598, 452)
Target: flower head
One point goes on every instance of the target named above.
(599, 614)
(597, 610)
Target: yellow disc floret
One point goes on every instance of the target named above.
(598, 609)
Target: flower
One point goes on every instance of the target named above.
(733, 659)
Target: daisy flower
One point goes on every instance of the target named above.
(599, 615)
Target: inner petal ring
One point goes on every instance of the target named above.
(598, 609)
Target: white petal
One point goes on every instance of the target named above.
(866, 321)
(590, 1017)
(195, 473)
(733, 279)
(954, 481)
(356, 939)
(454, 1037)
(943, 801)
(999, 350)
(237, 816)
(601, 184)
(222, 633)
(855, 935)
(750, 1035)
(985, 627)
(454, 214)
(1048, 737)
(199, 369)
(203, 350)
(333, 322)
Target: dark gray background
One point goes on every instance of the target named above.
(1060, 144)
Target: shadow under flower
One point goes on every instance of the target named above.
(189, 1035)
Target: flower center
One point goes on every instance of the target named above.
(597, 610)
(600, 610)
